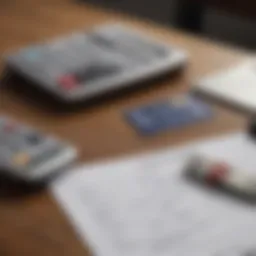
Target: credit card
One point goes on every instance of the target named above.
(173, 113)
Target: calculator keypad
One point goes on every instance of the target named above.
(95, 72)
(22, 148)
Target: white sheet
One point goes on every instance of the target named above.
(235, 86)
(144, 206)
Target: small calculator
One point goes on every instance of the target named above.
(84, 65)
(30, 156)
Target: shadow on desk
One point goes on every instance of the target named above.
(12, 189)
(33, 95)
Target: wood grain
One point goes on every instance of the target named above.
(34, 225)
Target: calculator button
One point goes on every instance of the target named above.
(46, 155)
(95, 72)
(21, 159)
(33, 55)
(67, 82)
(34, 139)
(9, 127)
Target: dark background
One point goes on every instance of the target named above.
(233, 22)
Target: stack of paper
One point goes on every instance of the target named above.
(235, 86)
(144, 206)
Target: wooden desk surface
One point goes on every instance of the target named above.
(34, 225)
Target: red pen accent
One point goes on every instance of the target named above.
(217, 173)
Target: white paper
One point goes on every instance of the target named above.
(235, 86)
(144, 205)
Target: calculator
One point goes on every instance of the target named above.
(30, 156)
(84, 65)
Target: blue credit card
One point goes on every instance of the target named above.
(172, 113)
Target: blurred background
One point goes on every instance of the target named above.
(35, 225)
(224, 20)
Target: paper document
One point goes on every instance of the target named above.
(235, 86)
(143, 206)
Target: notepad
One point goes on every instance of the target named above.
(143, 205)
(235, 86)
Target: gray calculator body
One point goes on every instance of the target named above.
(29, 155)
(84, 65)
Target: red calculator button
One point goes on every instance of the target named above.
(10, 127)
(67, 82)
